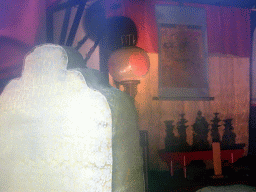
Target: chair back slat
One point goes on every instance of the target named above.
(70, 36)
(75, 24)
(64, 29)
(49, 26)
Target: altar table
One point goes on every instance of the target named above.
(184, 158)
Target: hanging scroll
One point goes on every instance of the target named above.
(183, 65)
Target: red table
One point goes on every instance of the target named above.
(184, 158)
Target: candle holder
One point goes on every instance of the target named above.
(127, 66)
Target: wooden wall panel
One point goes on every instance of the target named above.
(242, 96)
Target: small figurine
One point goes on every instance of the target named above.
(229, 137)
(200, 135)
(170, 139)
(182, 132)
(215, 128)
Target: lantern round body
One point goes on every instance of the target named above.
(128, 63)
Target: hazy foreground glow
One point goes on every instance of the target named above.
(55, 132)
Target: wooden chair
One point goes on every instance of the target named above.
(67, 37)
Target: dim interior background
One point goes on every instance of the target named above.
(230, 26)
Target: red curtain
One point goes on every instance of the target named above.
(21, 19)
(21, 23)
(228, 28)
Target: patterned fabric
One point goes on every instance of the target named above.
(55, 132)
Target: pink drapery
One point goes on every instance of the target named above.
(21, 19)
(20, 26)
(228, 28)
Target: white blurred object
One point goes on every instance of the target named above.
(55, 132)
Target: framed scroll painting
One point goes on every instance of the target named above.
(183, 67)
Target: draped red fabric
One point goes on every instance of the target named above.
(228, 28)
(20, 25)
(21, 19)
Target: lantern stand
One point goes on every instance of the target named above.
(130, 87)
(127, 66)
